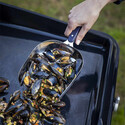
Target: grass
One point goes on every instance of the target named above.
(111, 21)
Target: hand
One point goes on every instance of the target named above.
(84, 14)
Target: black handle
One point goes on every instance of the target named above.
(73, 35)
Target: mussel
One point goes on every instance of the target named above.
(52, 80)
(27, 80)
(4, 84)
(14, 98)
(57, 52)
(33, 68)
(36, 86)
(44, 68)
(57, 69)
(65, 61)
(49, 56)
(59, 104)
(40, 75)
(69, 73)
(50, 92)
(34, 118)
(56, 119)
(3, 105)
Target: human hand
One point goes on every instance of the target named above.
(84, 14)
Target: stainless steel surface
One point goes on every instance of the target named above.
(69, 43)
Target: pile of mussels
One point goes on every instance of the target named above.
(43, 79)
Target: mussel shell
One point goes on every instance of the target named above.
(14, 99)
(24, 69)
(40, 75)
(38, 53)
(69, 73)
(45, 68)
(58, 52)
(51, 92)
(65, 61)
(49, 56)
(33, 68)
(57, 69)
(21, 109)
(15, 96)
(25, 114)
(72, 76)
(10, 110)
(3, 105)
(59, 104)
(27, 80)
(36, 86)
(37, 60)
(56, 119)
(46, 122)
(24, 77)
(52, 80)
(34, 118)
(4, 84)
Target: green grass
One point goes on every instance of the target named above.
(111, 21)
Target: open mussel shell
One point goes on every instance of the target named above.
(57, 69)
(33, 68)
(56, 119)
(14, 99)
(50, 92)
(19, 110)
(23, 70)
(27, 80)
(3, 105)
(49, 55)
(58, 104)
(36, 86)
(65, 61)
(11, 109)
(57, 52)
(69, 73)
(52, 80)
(35, 118)
(38, 59)
(40, 75)
(15, 96)
(45, 67)
(4, 84)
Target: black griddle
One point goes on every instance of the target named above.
(90, 99)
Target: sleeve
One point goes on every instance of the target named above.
(118, 1)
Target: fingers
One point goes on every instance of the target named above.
(82, 33)
(70, 27)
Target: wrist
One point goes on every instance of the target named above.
(101, 3)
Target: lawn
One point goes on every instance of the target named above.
(111, 21)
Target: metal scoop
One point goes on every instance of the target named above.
(51, 44)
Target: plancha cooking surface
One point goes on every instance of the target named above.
(13, 54)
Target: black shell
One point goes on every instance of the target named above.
(4, 84)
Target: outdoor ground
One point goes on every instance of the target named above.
(111, 21)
